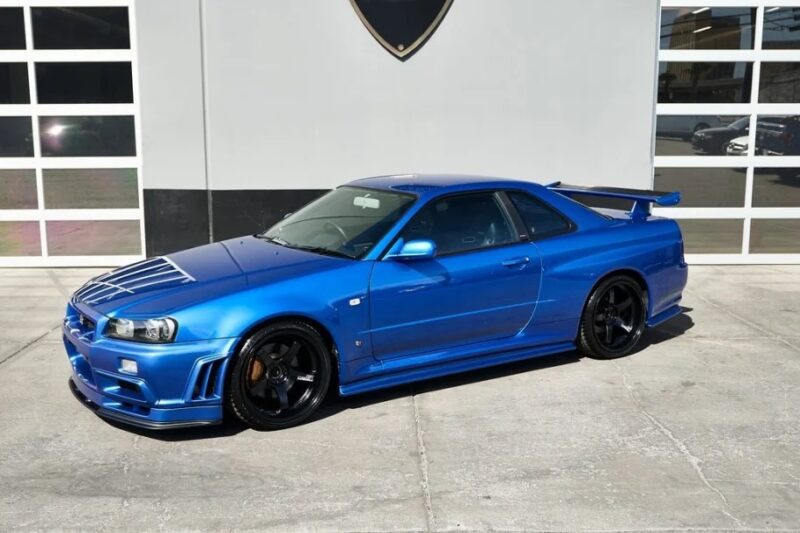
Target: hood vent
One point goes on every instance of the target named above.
(155, 273)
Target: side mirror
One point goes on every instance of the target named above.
(414, 250)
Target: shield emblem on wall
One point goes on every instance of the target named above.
(401, 26)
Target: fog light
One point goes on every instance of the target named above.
(129, 366)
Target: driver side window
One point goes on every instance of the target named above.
(461, 223)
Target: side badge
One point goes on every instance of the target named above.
(401, 26)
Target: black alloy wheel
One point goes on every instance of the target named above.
(614, 318)
(280, 376)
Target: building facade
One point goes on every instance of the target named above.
(133, 128)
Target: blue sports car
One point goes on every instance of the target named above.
(382, 281)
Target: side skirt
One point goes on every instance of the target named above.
(451, 367)
(665, 315)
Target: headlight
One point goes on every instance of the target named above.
(149, 330)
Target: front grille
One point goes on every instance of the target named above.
(158, 272)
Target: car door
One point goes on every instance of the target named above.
(482, 283)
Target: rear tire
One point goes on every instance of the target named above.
(614, 318)
(280, 376)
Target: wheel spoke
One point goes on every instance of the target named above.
(265, 352)
(600, 318)
(611, 295)
(291, 352)
(302, 376)
(624, 304)
(283, 395)
(609, 333)
(626, 327)
(260, 388)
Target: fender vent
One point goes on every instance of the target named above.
(207, 385)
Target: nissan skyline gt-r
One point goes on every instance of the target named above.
(380, 282)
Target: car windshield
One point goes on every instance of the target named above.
(346, 222)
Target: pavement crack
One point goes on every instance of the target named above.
(28, 345)
(694, 461)
(423, 466)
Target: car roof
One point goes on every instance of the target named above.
(435, 183)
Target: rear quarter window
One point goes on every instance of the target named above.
(540, 220)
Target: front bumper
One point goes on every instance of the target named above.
(176, 385)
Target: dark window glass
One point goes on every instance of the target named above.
(461, 223)
(87, 136)
(776, 187)
(775, 236)
(14, 83)
(12, 28)
(780, 83)
(20, 238)
(540, 220)
(58, 28)
(698, 82)
(16, 137)
(105, 188)
(93, 237)
(778, 135)
(701, 135)
(781, 28)
(712, 236)
(704, 187)
(84, 83)
(719, 28)
(18, 189)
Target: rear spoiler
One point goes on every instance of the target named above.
(642, 198)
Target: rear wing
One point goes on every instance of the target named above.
(641, 198)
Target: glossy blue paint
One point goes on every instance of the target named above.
(392, 320)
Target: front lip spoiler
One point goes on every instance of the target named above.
(133, 421)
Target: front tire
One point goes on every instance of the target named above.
(614, 318)
(280, 376)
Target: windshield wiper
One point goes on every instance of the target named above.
(320, 250)
(276, 240)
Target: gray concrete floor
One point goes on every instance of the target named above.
(698, 430)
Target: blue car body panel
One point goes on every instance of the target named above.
(391, 322)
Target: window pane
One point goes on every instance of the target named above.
(20, 238)
(90, 188)
(729, 28)
(14, 83)
(778, 135)
(12, 28)
(461, 223)
(18, 189)
(701, 134)
(80, 27)
(87, 136)
(540, 220)
(704, 187)
(781, 25)
(93, 237)
(776, 187)
(712, 236)
(775, 236)
(780, 83)
(695, 82)
(16, 137)
(84, 83)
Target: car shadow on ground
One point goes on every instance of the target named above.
(335, 404)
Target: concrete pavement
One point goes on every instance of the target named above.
(699, 430)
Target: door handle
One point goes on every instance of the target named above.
(516, 262)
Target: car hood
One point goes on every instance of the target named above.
(163, 284)
(717, 131)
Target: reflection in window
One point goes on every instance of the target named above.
(778, 135)
(780, 83)
(89, 136)
(702, 82)
(14, 83)
(712, 236)
(781, 28)
(728, 28)
(19, 238)
(84, 83)
(776, 187)
(704, 187)
(774, 236)
(700, 134)
(107, 188)
(12, 28)
(59, 28)
(16, 137)
(18, 189)
(93, 237)
(541, 220)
